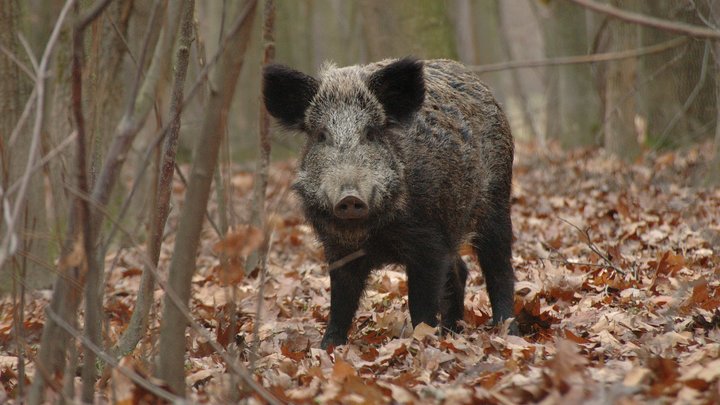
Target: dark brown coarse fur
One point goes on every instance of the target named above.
(426, 151)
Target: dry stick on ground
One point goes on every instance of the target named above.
(642, 19)
(92, 305)
(158, 215)
(222, 82)
(259, 217)
(66, 292)
(578, 59)
(594, 248)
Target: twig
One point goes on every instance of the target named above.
(17, 61)
(123, 40)
(579, 59)
(90, 15)
(347, 259)
(135, 377)
(594, 247)
(30, 54)
(23, 117)
(642, 19)
(564, 260)
(44, 160)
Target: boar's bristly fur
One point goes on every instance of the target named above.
(405, 159)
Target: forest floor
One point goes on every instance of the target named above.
(618, 291)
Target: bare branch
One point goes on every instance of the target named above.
(28, 50)
(642, 19)
(42, 162)
(23, 117)
(579, 59)
(91, 14)
(17, 61)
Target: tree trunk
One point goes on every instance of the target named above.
(573, 104)
(620, 105)
(713, 175)
(222, 88)
(407, 27)
(522, 99)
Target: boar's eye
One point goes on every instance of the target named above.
(371, 134)
(322, 135)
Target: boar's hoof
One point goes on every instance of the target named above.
(331, 339)
(351, 206)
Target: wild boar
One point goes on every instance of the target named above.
(405, 160)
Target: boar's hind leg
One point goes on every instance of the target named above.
(346, 286)
(452, 306)
(493, 246)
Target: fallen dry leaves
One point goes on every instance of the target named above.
(618, 299)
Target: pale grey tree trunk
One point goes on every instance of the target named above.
(620, 104)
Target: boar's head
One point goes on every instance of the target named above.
(350, 178)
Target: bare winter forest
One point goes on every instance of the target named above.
(152, 249)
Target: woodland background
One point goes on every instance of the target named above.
(138, 195)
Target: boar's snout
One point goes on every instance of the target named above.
(350, 206)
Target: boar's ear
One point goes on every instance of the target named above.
(288, 94)
(400, 87)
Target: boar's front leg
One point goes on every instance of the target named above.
(346, 286)
(426, 278)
